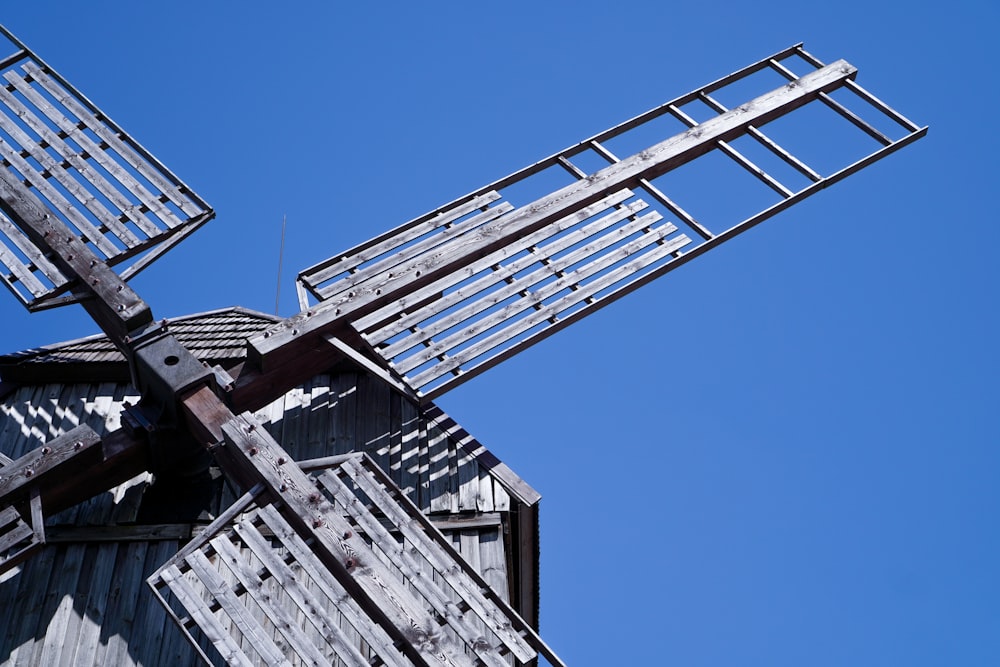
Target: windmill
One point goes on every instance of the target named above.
(315, 546)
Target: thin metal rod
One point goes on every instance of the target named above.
(281, 257)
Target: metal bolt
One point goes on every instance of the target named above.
(29, 472)
(251, 428)
(317, 523)
(46, 450)
(283, 487)
(121, 307)
(314, 498)
(281, 460)
(253, 451)
(120, 288)
(347, 534)
(77, 445)
(350, 562)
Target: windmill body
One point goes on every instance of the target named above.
(357, 524)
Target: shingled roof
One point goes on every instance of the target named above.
(216, 337)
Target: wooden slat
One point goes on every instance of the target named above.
(235, 609)
(320, 273)
(571, 280)
(510, 288)
(413, 316)
(410, 568)
(312, 608)
(469, 591)
(422, 520)
(206, 621)
(171, 190)
(550, 311)
(58, 172)
(20, 532)
(372, 632)
(273, 608)
(374, 584)
(31, 252)
(19, 271)
(99, 156)
(424, 252)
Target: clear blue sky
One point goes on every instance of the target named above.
(785, 453)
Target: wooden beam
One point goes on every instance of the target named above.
(116, 308)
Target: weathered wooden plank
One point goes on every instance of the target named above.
(81, 444)
(374, 634)
(26, 627)
(58, 172)
(647, 164)
(425, 252)
(468, 481)
(235, 608)
(409, 464)
(404, 561)
(440, 489)
(59, 647)
(405, 506)
(92, 176)
(416, 530)
(21, 271)
(98, 592)
(437, 418)
(192, 602)
(134, 155)
(274, 609)
(21, 531)
(312, 608)
(502, 272)
(388, 241)
(549, 312)
(371, 367)
(351, 560)
(735, 155)
(493, 561)
(512, 287)
(121, 608)
(152, 171)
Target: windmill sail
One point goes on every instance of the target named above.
(109, 192)
(398, 584)
(456, 291)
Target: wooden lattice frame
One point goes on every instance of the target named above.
(404, 594)
(488, 274)
(109, 191)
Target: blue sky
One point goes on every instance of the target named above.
(784, 453)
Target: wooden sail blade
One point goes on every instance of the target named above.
(336, 565)
(111, 194)
(456, 291)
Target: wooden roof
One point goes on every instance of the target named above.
(215, 337)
